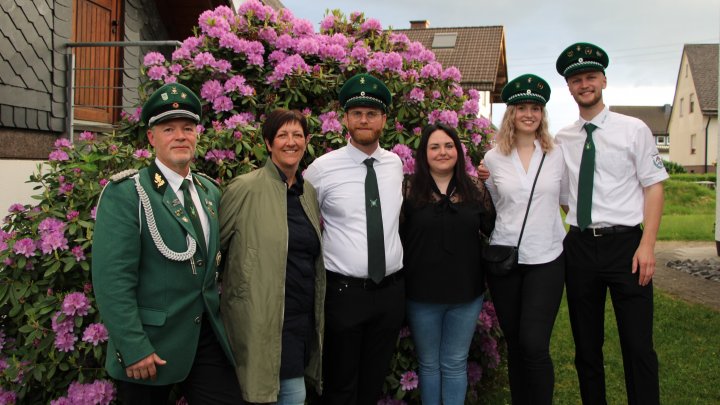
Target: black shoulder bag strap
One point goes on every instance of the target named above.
(530, 200)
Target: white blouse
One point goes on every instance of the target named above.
(510, 186)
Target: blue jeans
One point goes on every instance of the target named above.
(292, 391)
(442, 334)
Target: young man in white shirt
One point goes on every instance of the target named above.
(359, 191)
(615, 176)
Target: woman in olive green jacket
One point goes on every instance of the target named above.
(274, 278)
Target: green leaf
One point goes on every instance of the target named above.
(52, 269)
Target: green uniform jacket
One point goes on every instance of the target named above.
(254, 239)
(148, 302)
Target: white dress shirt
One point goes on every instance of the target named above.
(175, 181)
(510, 185)
(339, 178)
(626, 161)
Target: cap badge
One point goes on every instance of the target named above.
(529, 79)
(174, 90)
(164, 96)
(362, 80)
(540, 86)
(588, 51)
(183, 96)
(570, 54)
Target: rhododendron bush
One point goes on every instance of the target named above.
(242, 65)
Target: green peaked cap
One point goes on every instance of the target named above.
(365, 90)
(171, 101)
(527, 88)
(581, 57)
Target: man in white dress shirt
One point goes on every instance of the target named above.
(359, 191)
(615, 176)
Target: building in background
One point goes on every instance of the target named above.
(656, 118)
(478, 52)
(693, 124)
(45, 94)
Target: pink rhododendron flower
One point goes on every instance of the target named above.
(451, 73)
(371, 25)
(141, 154)
(211, 90)
(63, 143)
(157, 72)
(417, 95)
(409, 381)
(78, 252)
(153, 58)
(222, 103)
(25, 247)
(219, 155)
(75, 304)
(58, 155)
(86, 136)
(16, 207)
(474, 372)
(95, 333)
(330, 122)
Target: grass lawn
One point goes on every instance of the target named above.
(689, 212)
(687, 341)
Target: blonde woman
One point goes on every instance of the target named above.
(527, 299)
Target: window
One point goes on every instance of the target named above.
(682, 102)
(691, 106)
(686, 69)
(444, 40)
(660, 140)
(692, 144)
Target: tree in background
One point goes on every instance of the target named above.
(242, 65)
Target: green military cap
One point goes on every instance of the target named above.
(364, 90)
(527, 88)
(581, 57)
(171, 101)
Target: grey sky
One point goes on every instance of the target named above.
(643, 38)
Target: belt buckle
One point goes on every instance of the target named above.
(595, 234)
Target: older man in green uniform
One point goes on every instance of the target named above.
(155, 258)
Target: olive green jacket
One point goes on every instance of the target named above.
(254, 240)
(148, 302)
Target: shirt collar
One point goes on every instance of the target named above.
(174, 179)
(297, 186)
(359, 156)
(598, 120)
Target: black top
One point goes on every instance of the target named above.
(441, 245)
(302, 250)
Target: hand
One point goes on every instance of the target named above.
(483, 172)
(145, 368)
(644, 260)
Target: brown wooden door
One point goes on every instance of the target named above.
(96, 76)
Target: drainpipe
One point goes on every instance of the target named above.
(706, 144)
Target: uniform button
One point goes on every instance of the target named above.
(197, 320)
(200, 262)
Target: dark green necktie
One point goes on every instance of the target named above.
(194, 216)
(375, 236)
(585, 180)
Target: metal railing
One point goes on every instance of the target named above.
(100, 80)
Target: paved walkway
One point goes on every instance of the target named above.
(683, 285)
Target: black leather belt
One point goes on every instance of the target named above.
(364, 283)
(610, 230)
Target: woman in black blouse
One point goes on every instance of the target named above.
(444, 213)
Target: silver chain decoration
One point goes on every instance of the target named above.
(152, 227)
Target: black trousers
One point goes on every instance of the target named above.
(594, 266)
(362, 324)
(527, 303)
(212, 379)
